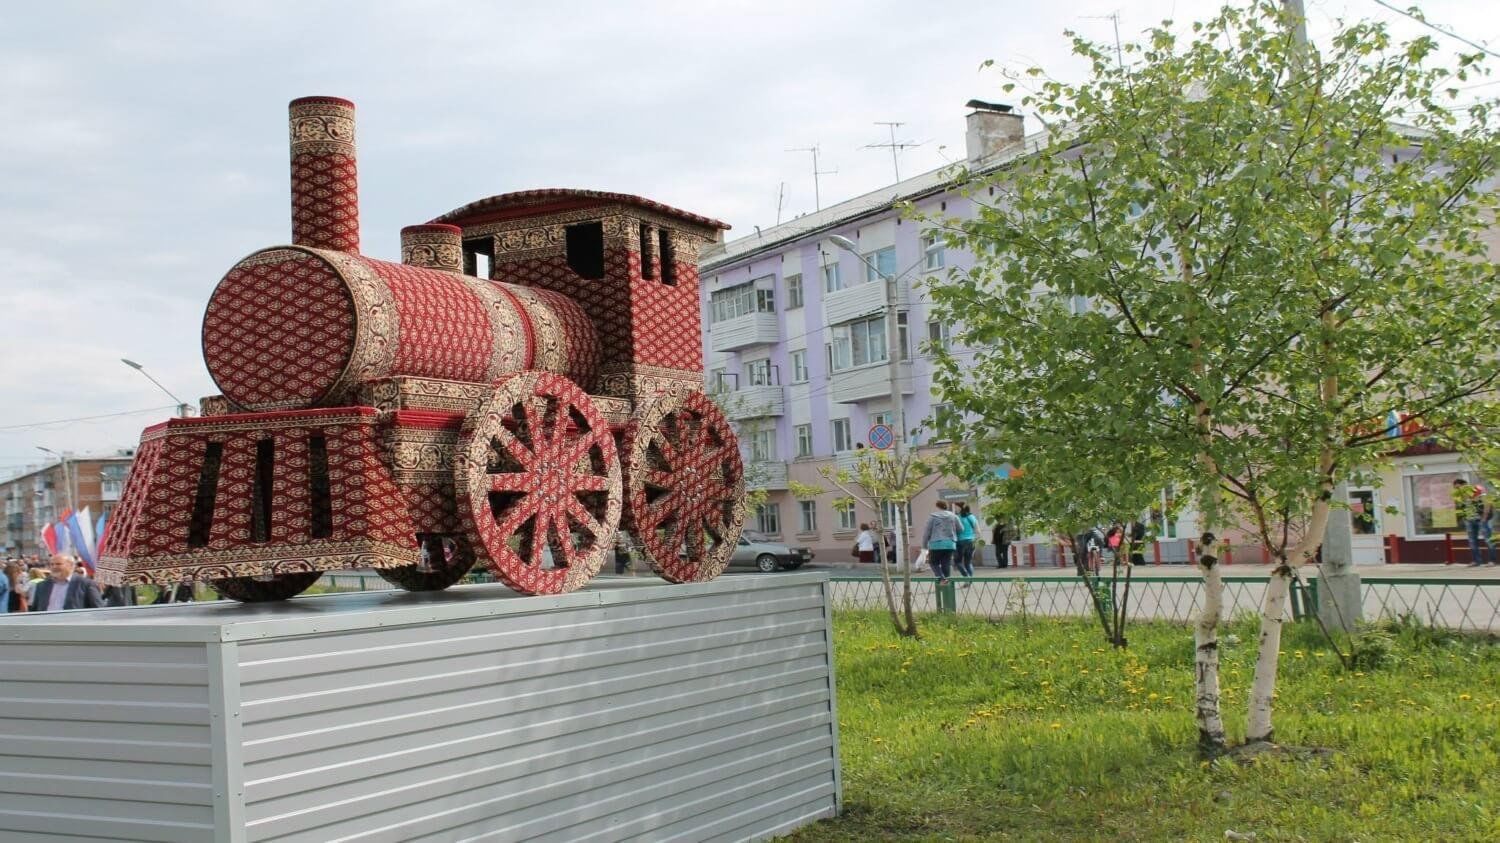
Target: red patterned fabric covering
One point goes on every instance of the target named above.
(325, 179)
(530, 203)
(291, 327)
(369, 525)
(279, 330)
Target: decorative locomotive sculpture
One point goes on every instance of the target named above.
(417, 418)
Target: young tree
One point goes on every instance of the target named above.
(1242, 256)
(882, 480)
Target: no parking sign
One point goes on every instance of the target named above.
(882, 437)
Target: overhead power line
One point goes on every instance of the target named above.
(1435, 28)
(30, 425)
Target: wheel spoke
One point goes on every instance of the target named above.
(584, 518)
(523, 509)
(694, 542)
(589, 483)
(662, 479)
(564, 543)
(539, 527)
(512, 482)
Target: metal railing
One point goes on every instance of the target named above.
(1465, 604)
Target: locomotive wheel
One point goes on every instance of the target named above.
(265, 589)
(684, 487)
(537, 481)
(439, 572)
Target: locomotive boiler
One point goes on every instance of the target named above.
(526, 382)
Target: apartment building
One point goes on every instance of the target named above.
(38, 496)
(795, 336)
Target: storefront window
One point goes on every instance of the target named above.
(1429, 498)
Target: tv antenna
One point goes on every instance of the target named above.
(892, 145)
(817, 189)
(780, 201)
(1115, 17)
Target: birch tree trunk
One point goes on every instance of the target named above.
(1211, 739)
(1272, 615)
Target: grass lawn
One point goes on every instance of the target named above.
(1005, 731)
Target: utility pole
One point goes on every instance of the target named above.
(817, 190)
(893, 353)
(892, 145)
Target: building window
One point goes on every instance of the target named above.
(742, 300)
(843, 435)
(1429, 499)
(648, 253)
(793, 292)
(932, 253)
(768, 518)
(804, 440)
(939, 334)
(902, 336)
(807, 512)
(763, 445)
(880, 418)
(888, 512)
(716, 380)
(585, 249)
(832, 280)
(799, 366)
(847, 519)
(883, 260)
(668, 253)
(758, 372)
(858, 344)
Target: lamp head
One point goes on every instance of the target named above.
(844, 243)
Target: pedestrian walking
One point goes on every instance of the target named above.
(864, 544)
(1001, 539)
(940, 538)
(1469, 500)
(968, 527)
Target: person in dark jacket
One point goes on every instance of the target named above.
(1000, 538)
(63, 590)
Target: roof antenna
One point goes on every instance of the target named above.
(780, 201)
(817, 191)
(893, 145)
(1113, 16)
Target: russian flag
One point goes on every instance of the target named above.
(64, 538)
(81, 531)
(49, 538)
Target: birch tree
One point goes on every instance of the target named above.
(1240, 256)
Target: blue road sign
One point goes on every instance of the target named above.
(882, 437)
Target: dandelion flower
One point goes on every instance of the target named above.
(1464, 697)
(1057, 725)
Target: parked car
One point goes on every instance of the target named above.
(767, 556)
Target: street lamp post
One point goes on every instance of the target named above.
(67, 481)
(183, 408)
(893, 369)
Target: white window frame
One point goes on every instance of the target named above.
(858, 344)
(934, 253)
(793, 291)
(939, 334)
(768, 519)
(800, 372)
(716, 378)
(833, 279)
(762, 445)
(1408, 502)
(883, 260)
(807, 516)
(848, 517)
(758, 372)
(755, 296)
(847, 439)
(804, 438)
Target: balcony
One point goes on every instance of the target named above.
(109, 490)
(743, 332)
(767, 475)
(753, 402)
(846, 461)
(861, 300)
(867, 382)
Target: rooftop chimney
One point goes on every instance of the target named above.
(992, 127)
(325, 184)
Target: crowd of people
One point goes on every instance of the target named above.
(949, 543)
(60, 584)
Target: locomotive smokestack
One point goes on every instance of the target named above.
(433, 245)
(325, 183)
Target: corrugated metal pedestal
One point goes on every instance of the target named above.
(630, 710)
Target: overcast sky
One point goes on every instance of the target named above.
(143, 148)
